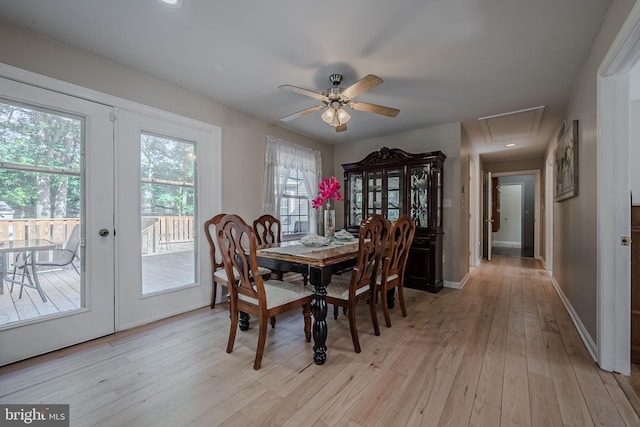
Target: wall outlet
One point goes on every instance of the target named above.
(446, 203)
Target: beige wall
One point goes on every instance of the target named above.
(575, 219)
(445, 138)
(243, 137)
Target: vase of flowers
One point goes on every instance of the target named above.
(329, 190)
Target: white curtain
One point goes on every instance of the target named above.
(281, 157)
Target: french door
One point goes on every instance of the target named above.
(56, 172)
(128, 177)
(164, 195)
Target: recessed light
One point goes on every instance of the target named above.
(511, 145)
(172, 3)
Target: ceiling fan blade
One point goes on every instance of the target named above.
(341, 128)
(305, 92)
(374, 108)
(361, 86)
(301, 113)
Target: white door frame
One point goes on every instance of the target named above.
(613, 204)
(548, 210)
(473, 215)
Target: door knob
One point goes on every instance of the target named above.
(103, 232)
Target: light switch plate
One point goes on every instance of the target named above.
(446, 203)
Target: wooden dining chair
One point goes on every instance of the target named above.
(218, 273)
(251, 294)
(268, 230)
(393, 265)
(346, 290)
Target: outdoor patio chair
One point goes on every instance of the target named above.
(61, 257)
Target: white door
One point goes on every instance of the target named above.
(489, 215)
(168, 181)
(56, 170)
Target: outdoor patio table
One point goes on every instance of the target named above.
(31, 246)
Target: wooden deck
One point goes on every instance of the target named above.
(501, 351)
(161, 271)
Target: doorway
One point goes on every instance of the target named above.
(527, 212)
(508, 238)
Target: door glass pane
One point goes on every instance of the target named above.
(167, 171)
(419, 195)
(41, 157)
(394, 194)
(375, 193)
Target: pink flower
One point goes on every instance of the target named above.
(329, 189)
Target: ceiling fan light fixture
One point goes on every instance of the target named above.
(335, 116)
(343, 116)
(328, 115)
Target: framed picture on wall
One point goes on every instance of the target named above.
(566, 163)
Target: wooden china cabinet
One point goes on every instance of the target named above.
(392, 182)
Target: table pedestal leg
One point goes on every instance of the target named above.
(319, 323)
(244, 321)
(391, 298)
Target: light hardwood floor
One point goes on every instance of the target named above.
(501, 351)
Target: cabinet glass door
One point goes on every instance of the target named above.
(374, 199)
(394, 194)
(419, 182)
(355, 199)
(439, 200)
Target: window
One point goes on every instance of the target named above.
(294, 206)
(292, 173)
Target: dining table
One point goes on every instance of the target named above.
(29, 247)
(319, 263)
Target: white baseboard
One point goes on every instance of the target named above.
(456, 285)
(586, 338)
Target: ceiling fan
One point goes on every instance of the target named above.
(335, 98)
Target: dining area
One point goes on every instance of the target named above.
(254, 264)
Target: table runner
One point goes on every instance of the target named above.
(300, 249)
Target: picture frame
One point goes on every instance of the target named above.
(566, 163)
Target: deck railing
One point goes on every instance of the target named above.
(157, 233)
(57, 230)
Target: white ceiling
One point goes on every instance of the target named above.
(441, 60)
